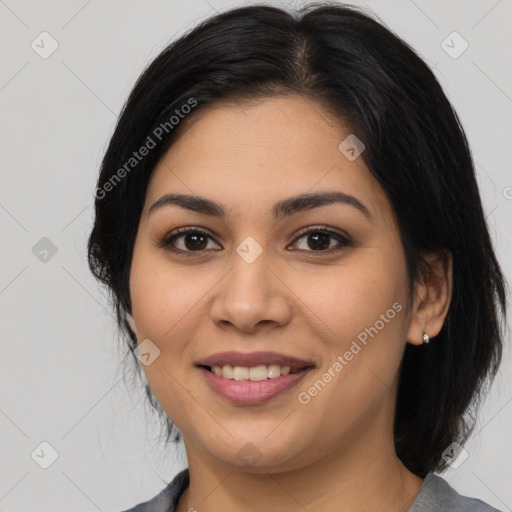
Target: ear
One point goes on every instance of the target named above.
(131, 323)
(432, 295)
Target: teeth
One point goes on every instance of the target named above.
(258, 373)
(254, 373)
(240, 373)
(227, 371)
(274, 370)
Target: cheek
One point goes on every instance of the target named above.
(163, 307)
(360, 311)
(161, 300)
(350, 298)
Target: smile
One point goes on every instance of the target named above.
(232, 376)
(255, 373)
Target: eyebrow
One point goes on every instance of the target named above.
(284, 208)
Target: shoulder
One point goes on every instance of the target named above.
(167, 499)
(438, 495)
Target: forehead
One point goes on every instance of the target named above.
(259, 151)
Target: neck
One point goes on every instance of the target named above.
(365, 476)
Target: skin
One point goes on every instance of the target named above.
(335, 452)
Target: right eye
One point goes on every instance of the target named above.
(187, 240)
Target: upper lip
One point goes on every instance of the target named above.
(249, 359)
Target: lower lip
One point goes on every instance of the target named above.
(250, 392)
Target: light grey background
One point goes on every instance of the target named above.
(59, 361)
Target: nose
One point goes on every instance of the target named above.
(251, 296)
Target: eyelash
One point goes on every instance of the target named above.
(170, 238)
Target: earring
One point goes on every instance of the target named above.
(426, 338)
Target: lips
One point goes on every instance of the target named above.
(254, 359)
(252, 378)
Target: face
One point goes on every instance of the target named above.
(275, 327)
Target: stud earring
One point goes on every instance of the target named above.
(426, 338)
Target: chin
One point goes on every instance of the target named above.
(258, 453)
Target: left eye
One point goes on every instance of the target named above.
(319, 240)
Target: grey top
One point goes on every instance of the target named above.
(435, 495)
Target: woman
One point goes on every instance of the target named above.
(288, 219)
